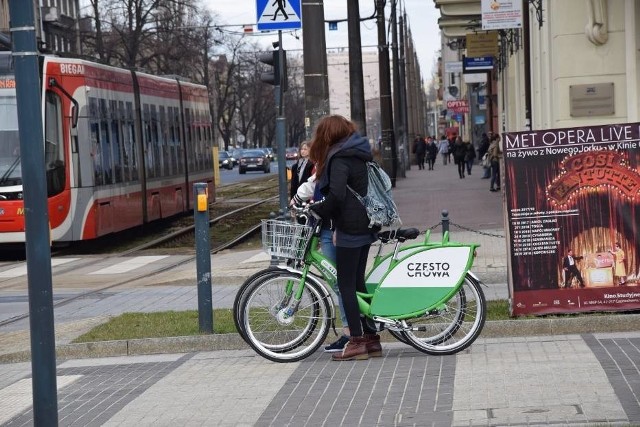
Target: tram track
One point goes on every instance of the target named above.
(62, 270)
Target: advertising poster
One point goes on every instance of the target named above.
(573, 213)
(501, 14)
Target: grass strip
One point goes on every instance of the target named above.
(157, 325)
(185, 323)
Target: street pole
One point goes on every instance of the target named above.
(356, 80)
(316, 80)
(397, 104)
(403, 90)
(281, 128)
(36, 215)
(389, 161)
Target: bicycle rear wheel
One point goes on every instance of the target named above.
(452, 329)
(276, 336)
(445, 321)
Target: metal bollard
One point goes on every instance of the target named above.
(445, 221)
(203, 257)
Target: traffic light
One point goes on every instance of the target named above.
(273, 76)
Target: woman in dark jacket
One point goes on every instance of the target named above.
(301, 170)
(459, 151)
(340, 155)
(469, 157)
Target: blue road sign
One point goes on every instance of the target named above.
(279, 15)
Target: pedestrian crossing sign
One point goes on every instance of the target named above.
(279, 15)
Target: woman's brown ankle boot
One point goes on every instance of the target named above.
(374, 348)
(356, 349)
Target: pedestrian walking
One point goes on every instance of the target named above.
(452, 142)
(459, 152)
(469, 157)
(419, 149)
(495, 154)
(443, 149)
(432, 152)
(483, 148)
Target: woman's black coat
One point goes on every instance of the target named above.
(346, 166)
(296, 180)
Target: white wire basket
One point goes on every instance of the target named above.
(285, 239)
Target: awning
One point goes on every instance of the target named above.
(458, 17)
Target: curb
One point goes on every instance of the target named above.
(187, 344)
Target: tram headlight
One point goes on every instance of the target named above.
(19, 196)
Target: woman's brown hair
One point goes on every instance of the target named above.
(330, 130)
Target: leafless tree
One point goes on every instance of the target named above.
(180, 37)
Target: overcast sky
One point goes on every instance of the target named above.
(421, 15)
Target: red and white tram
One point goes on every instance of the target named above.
(122, 148)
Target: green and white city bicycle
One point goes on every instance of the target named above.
(424, 294)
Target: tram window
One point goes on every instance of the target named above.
(105, 143)
(155, 141)
(200, 142)
(122, 115)
(173, 139)
(130, 143)
(164, 139)
(94, 126)
(195, 142)
(54, 150)
(148, 151)
(208, 146)
(179, 141)
(188, 139)
(10, 147)
(117, 141)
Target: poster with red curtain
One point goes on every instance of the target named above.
(573, 213)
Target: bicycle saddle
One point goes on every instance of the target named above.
(401, 234)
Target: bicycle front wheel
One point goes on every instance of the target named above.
(240, 295)
(276, 334)
(453, 327)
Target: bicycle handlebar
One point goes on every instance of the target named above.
(304, 212)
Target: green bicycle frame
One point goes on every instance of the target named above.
(404, 283)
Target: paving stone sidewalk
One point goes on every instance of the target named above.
(561, 380)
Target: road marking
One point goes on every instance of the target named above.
(18, 396)
(130, 264)
(22, 270)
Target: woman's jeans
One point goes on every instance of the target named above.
(329, 250)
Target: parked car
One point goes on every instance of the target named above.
(225, 160)
(252, 160)
(291, 153)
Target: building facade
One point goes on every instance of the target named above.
(541, 71)
(56, 23)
